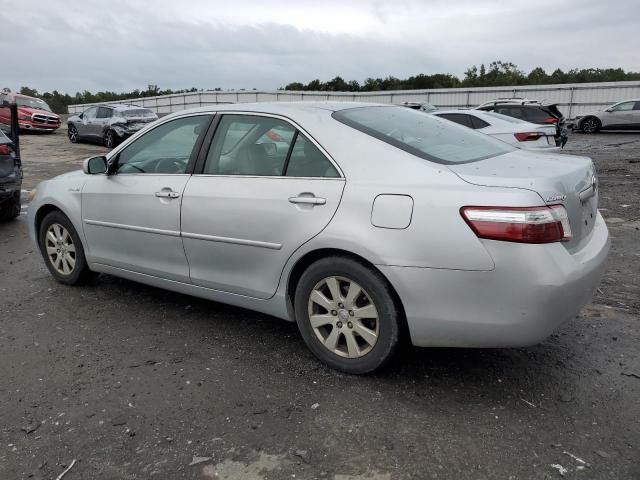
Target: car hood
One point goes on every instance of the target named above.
(557, 179)
(31, 111)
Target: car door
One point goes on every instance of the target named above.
(619, 116)
(102, 120)
(131, 217)
(86, 128)
(635, 115)
(254, 201)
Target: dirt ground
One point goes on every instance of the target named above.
(133, 382)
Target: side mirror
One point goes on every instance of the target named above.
(95, 165)
(609, 110)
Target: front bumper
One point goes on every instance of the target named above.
(36, 127)
(532, 290)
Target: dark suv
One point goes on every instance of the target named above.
(531, 111)
(10, 166)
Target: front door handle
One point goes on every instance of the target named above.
(308, 200)
(167, 194)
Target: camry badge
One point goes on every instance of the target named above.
(555, 198)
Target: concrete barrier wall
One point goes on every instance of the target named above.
(572, 99)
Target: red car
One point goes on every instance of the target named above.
(33, 113)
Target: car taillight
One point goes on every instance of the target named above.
(5, 150)
(519, 224)
(528, 136)
(550, 120)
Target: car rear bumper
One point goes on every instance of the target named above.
(531, 291)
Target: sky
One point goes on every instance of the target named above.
(120, 45)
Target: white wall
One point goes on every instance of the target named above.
(572, 99)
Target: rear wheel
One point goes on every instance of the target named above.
(62, 250)
(10, 208)
(346, 315)
(590, 125)
(110, 139)
(72, 133)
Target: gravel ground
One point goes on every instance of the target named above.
(133, 382)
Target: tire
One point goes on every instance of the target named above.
(590, 125)
(338, 324)
(72, 133)
(64, 239)
(110, 139)
(10, 209)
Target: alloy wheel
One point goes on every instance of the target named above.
(343, 317)
(73, 134)
(61, 251)
(589, 126)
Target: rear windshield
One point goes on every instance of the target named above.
(422, 134)
(138, 112)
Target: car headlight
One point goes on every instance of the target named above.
(32, 194)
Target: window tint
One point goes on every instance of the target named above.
(458, 118)
(165, 149)
(623, 107)
(104, 112)
(637, 106)
(477, 123)
(307, 161)
(425, 136)
(249, 145)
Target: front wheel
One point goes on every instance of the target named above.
(590, 125)
(72, 133)
(347, 315)
(62, 250)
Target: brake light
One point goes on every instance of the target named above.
(550, 120)
(528, 136)
(519, 224)
(5, 150)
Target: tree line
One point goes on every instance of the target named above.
(498, 73)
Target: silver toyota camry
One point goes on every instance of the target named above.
(363, 223)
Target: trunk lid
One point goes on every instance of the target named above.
(558, 179)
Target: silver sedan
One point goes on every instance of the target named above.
(363, 223)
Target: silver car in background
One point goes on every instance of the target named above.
(619, 116)
(108, 124)
(360, 222)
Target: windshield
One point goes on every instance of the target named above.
(32, 103)
(138, 112)
(423, 135)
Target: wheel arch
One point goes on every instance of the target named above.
(312, 256)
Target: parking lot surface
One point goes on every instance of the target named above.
(133, 382)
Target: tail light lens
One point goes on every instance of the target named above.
(528, 136)
(5, 150)
(551, 120)
(519, 224)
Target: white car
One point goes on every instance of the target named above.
(521, 134)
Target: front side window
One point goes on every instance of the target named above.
(623, 107)
(90, 114)
(422, 135)
(249, 145)
(165, 149)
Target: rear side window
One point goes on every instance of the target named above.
(477, 123)
(422, 135)
(307, 161)
(104, 112)
(458, 118)
(537, 115)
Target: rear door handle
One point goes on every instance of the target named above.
(308, 200)
(167, 194)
